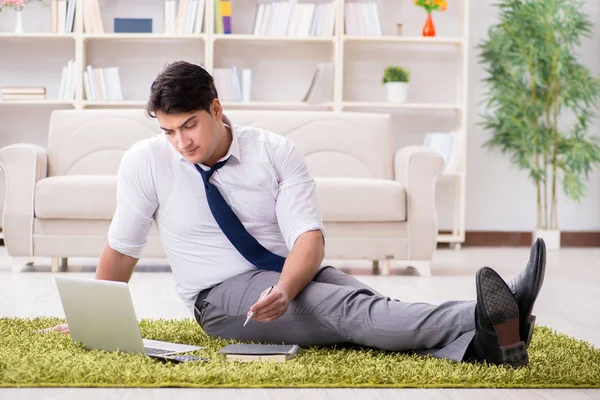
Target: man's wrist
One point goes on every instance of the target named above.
(287, 289)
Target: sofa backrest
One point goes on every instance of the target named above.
(340, 144)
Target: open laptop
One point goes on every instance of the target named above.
(100, 315)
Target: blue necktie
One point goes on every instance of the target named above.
(233, 228)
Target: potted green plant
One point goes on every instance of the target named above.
(541, 99)
(396, 81)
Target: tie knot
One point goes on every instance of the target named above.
(207, 174)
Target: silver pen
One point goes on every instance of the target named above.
(261, 297)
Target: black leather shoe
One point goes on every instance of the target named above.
(526, 287)
(497, 339)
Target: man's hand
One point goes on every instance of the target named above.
(62, 328)
(271, 307)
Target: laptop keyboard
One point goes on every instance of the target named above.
(151, 351)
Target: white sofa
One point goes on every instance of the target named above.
(377, 204)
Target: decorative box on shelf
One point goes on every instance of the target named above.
(133, 25)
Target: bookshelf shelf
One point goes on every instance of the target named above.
(36, 103)
(142, 36)
(256, 38)
(413, 106)
(124, 103)
(41, 35)
(405, 39)
(277, 105)
(355, 59)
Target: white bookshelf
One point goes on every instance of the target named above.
(214, 51)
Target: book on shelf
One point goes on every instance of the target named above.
(102, 84)
(223, 16)
(20, 93)
(62, 14)
(228, 84)
(296, 19)
(260, 352)
(92, 17)
(362, 19)
(183, 18)
(321, 85)
(68, 80)
(447, 144)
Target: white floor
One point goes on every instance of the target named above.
(568, 303)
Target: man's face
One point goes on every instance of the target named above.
(193, 135)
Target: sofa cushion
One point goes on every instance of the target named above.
(360, 199)
(76, 197)
(340, 199)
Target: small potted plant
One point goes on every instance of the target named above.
(396, 81)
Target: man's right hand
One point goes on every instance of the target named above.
(62, 328)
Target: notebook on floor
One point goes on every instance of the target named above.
(260, 352)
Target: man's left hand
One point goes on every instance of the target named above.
(271, 307)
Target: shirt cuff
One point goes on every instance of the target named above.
(302, 229)
(126, 249)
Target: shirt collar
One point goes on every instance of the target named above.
(234, 148)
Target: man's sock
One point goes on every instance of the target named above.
(473, 353)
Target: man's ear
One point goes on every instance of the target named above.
(216, 109)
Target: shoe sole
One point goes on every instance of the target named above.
(503, 312)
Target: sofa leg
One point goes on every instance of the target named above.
(60, 264)
(385, 267)
(375, 270)
(423, 268)
(64, 264)
(55, 264)
(19, 264)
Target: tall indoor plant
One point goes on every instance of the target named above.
(541, 99)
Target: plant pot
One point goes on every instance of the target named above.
(396, 91)
(551, 238)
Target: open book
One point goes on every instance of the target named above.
(260, 352)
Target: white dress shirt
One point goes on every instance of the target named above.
(266, 182)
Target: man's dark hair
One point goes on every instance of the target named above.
(181, 87)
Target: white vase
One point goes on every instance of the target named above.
(396, 91)
(19, 22)
(550, 237)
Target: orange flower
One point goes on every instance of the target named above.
(437, 2)
(444, 5)
(426, 2)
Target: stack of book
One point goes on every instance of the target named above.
(446, 144)
(21, 93)
(62, 15)
(321, 86)
(291, 18)
(68, 81)
(102, 84)
(223, 16)
(186, 19)
(92, 18)
(362, 19)
(230, 87)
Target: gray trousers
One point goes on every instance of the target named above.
(336, 308)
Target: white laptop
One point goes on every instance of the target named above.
(100, 315)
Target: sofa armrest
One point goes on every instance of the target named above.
(24, 165)
(418, 168)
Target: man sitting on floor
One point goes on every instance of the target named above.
(237, 212)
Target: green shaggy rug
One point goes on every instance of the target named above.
(32, 359)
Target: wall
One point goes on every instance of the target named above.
(499, 197)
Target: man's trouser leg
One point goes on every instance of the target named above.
(336, 308)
